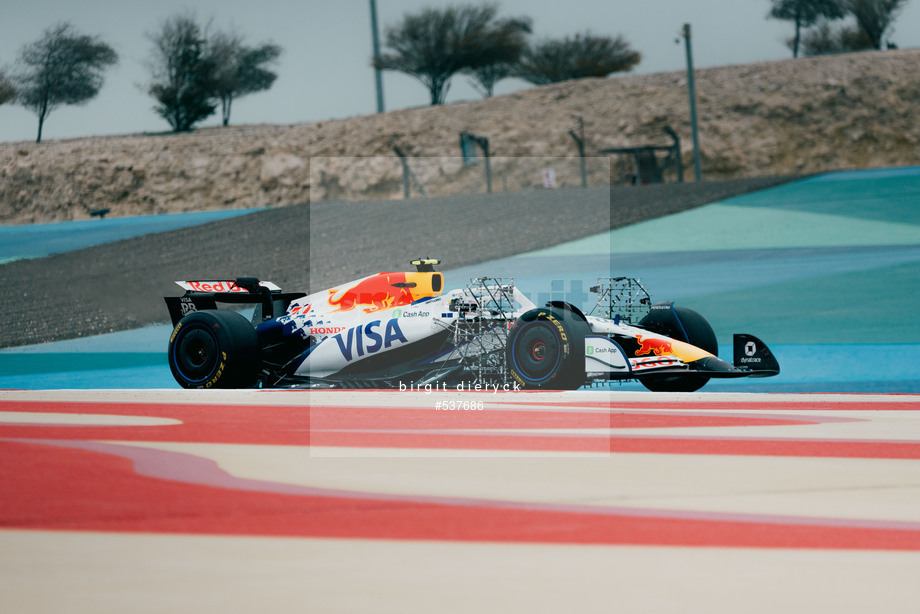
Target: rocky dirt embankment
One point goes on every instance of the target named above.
(775, 118)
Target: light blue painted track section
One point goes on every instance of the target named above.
(128, 359)
(825, 270)
(37, 240)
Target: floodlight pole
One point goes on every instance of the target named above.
(697, 171)
(378, 74)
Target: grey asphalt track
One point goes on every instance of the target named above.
(120, 285)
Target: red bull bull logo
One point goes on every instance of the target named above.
(649, 345)
(374, 293)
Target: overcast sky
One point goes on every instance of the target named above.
(325, 70)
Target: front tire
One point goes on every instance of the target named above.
(546, 350)
(693, 328)
(214, 349)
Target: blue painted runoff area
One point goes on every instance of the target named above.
(38, 240)
(825, 270)
(127, 359)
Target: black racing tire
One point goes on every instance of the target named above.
(546, 350)
(695, 330)
(214, 349)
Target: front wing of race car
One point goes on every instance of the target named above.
(752, 358)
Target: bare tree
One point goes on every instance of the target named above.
(874, 17)
(576, 57)
(62, 67)
(239, 69)
(804, 14)
(435, 44)
(182, 73)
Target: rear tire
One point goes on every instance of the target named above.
(546, 350)
(214, 349)
(698, 333)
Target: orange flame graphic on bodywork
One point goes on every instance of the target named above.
(374, 293)
(385, 291)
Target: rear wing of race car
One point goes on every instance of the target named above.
(201, 295)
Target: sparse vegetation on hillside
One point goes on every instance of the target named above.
(62, 67)
(240, 69)
(183, 74)
(814, 34)
(193, 71)
(575, 57)
(804, 14)
(775, 118)
(436, 44)
(874, 17)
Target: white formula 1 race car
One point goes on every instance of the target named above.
(400, 330)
